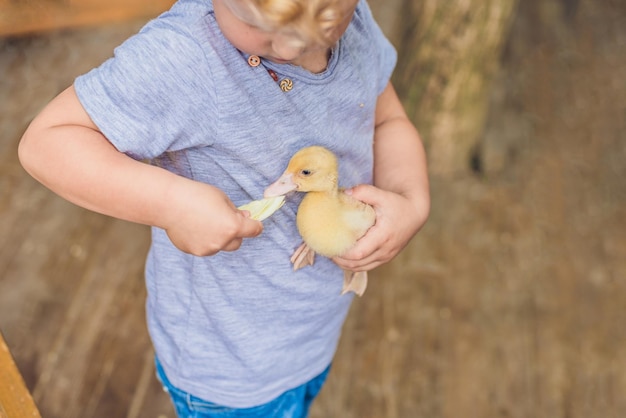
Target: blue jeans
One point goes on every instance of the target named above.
(294, 403)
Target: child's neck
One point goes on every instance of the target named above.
(315, 62)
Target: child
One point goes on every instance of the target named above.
(219, 95)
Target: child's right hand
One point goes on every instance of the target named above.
(204, 221)
(64, 150)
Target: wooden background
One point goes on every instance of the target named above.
(21, 17)
(510, 303)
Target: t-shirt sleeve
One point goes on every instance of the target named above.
(154, 95)
(387, 55)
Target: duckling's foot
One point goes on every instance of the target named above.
(354, 282)
(302, 257)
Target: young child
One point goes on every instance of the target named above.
(218, 95)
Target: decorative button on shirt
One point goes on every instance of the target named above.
(254, 61)
(273, 74)
(286, 85)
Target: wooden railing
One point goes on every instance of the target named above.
(15, 399)
(22, 17)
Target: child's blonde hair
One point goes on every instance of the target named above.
(313, 20)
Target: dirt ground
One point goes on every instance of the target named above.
(511, 302)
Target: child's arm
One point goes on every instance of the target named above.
(64, 150)
(400, 194)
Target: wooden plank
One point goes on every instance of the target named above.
(15, 400)
(18, 18)
(508, 304)
(71, 287)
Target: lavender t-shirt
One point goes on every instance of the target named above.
(239, 328)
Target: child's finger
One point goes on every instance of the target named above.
(365, 253)
(249, 227)
(233, 245)
(365, 193)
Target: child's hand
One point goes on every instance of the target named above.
(397, 221)
(204, 221)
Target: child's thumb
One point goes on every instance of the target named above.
(250, 228)
(365, 193)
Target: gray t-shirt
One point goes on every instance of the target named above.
(239, 328)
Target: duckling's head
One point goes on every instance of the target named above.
(312, 169)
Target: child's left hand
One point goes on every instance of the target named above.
(398, 219)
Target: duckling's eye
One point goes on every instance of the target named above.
(306, 173)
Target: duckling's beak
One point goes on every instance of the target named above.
(283, 185)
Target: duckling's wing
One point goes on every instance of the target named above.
(358, 216)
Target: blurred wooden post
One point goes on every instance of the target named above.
(15, 400)
(448, 53)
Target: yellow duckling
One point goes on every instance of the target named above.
(329, 221)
